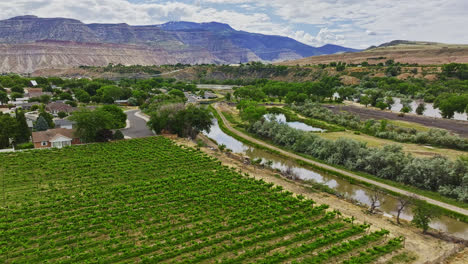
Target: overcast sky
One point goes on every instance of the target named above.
(352, 23)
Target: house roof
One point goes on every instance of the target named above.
(63, 122)
(50, 134)
(34, 90)
(59, 137)
(59, 107)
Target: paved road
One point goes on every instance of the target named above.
(137, 128)
(349, 174)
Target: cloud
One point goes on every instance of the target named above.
(355, 23)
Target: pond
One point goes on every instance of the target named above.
(358, 193)
(281, 118)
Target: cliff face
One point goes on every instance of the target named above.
(29, 43)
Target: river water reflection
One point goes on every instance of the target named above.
(358, 193)
(281, 118)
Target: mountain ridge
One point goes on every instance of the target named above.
(218, 42)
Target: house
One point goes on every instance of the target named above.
(121, 102)
(55, 138)
(336, 96)
(64, 123)
(55, 108)
(33, 92)
(209, 95)
(27, 106)
(33, 83)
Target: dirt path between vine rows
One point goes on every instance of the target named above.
(346, 173)
(427, 249)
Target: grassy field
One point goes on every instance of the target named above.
(415, 149)
(148, 200)
(405, 124)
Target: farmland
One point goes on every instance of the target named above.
(150, 200)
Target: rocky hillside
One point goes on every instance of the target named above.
(29, 43)
(412, 52)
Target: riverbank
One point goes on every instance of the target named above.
(367, 180)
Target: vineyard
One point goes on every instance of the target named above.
(151, 201)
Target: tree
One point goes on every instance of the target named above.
(376, 200)
(185, 121)
(119, 117)
(7, 129)
(381, 105)
(118, 135)
(104, 135)
(17, 89)
(71, 103)
(195, 119)
(45, 99)
(23, 133)
(110, 93)
(88, 123)
(228, 97)
(389, 101)
(406, 109)
(66, 96)
(250, 111)
(365, 100)
(403, 202)
(420, 109)
(82, 96)
(48, 117)
(176, 92)
(15, 96)
(41, 124)
(424, 213)
(3, 97)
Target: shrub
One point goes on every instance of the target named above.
(28, 145)
(118, 135)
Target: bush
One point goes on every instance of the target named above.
(436, 137)
(62, 114)
(28, 145)
(118, 135)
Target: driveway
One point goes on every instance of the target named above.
(136, 126)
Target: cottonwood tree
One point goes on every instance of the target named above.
(424, 213)
(89, 123)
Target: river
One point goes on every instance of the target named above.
(356, 192)
(281, 118)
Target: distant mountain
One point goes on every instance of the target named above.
(28, 43)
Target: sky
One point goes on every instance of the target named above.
(351, 23)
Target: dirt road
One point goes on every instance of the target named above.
(327, 167)
(456, 126)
